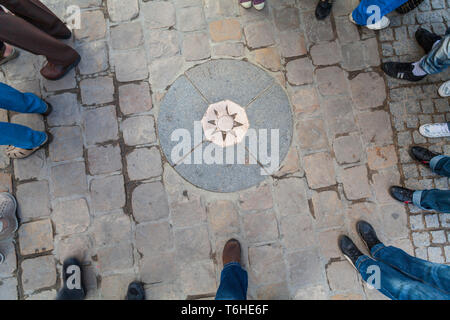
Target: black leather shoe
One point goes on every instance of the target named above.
(367, 234)
(401, 71)
(349, 249)
(323, 9)
(135, 291)
(49, 109)
(401, 194)
(422, 154)
(73, 288)
(426, 39)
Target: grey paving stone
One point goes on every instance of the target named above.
(315, 165)
(67, 144)
(162, 43)
(97, 90)
(255, 222)
(187, 213)
(126, 36)
(216, 8)
(95, 57)
(118, 257)
(33, 200)
(223, 218)
(149, 201)
(265, 263)
(71, 216)
(292, 44)
(290, 197)
(305, 268)
(368, 90)
(192, 244)
(38, 273)
(138, 130)
(299, 71)
(104, 159)
(33, 121)
(36, 237)
(107, 193)
(320, 53)
(8, 267)
(158, 268)
(198, 278)
(158, 14)
(196, 46)
(34, 166)
(131, 65)
(68, 82)
(164, 71)
(356, 184)
(154, 238)
(93, 26)
(338, 113)
(370, 123)
(68, 179)
(114, 286)
(228, 49)
(286, 18)
(190, 19)
(144, 163)
(348, 149)
(122, 10)
(316, 30)
(100, 125)
(331, 81)
(135, 98)
(257, 39)
(111, 229)
(66, 110)
(8, 289)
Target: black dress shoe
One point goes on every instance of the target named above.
(401, 71)
(401, 194)
(73, 288)
(49, 109)
(367, 234)
(426, 39)
(135, 291)
(422, 154)
(349, 249)
(323, 9)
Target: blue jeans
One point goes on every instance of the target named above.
(403, 277)
(363, 13)
(233, 283)
(434, 199)
(438, 59)
(15, 134)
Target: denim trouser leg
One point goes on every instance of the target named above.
(233, 283)
(434, 274)
(441, 164)
(14, 134)
(434, 199)
(364, 11)
(396, 285)
(438, 59)
(14, 100)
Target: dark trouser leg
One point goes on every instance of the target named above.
(233, 283)
(441, 164)
(36, 13)
(434, 199)
(19, 33)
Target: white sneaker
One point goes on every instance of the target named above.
(383, 23)
(246, 3)
(435, 130)
(444, 89)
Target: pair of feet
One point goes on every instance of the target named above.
(73, 288)
(323, 10)
(348, 247)
(20, 153)
(412, 71)
(422, 155)
(257, 4)
(50, 71)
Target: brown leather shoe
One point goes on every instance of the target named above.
(55, 71)
(231, 252)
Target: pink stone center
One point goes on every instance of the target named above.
(225, 123)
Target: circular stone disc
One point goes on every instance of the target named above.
(205, 164)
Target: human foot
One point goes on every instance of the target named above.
(422, 155)
(401, 194)
(231, 252)
(349, 249)
(435, 130)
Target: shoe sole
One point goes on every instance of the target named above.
(441, 92)
(15, 208)
(351, 262)
(422, 132)
(259, 6)
(246, 5)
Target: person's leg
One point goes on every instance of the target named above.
(233, 283)
(39, 15)
(394, 284)
(19, 33)
(434, 274)
(14, 100)
(20, 136)
(441, 164)
(434, 199)
(364, 11)
(438, 59)
(233, 279)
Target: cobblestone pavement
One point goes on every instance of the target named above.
(103, 191)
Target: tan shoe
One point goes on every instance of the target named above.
(20, 153)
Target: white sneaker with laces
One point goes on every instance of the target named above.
(444, 89)
(381, 24)
(435, 130)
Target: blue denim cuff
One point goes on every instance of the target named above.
(360, 260)
(376, 248)
(232, 264)
(417, 197)
(434, 162)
